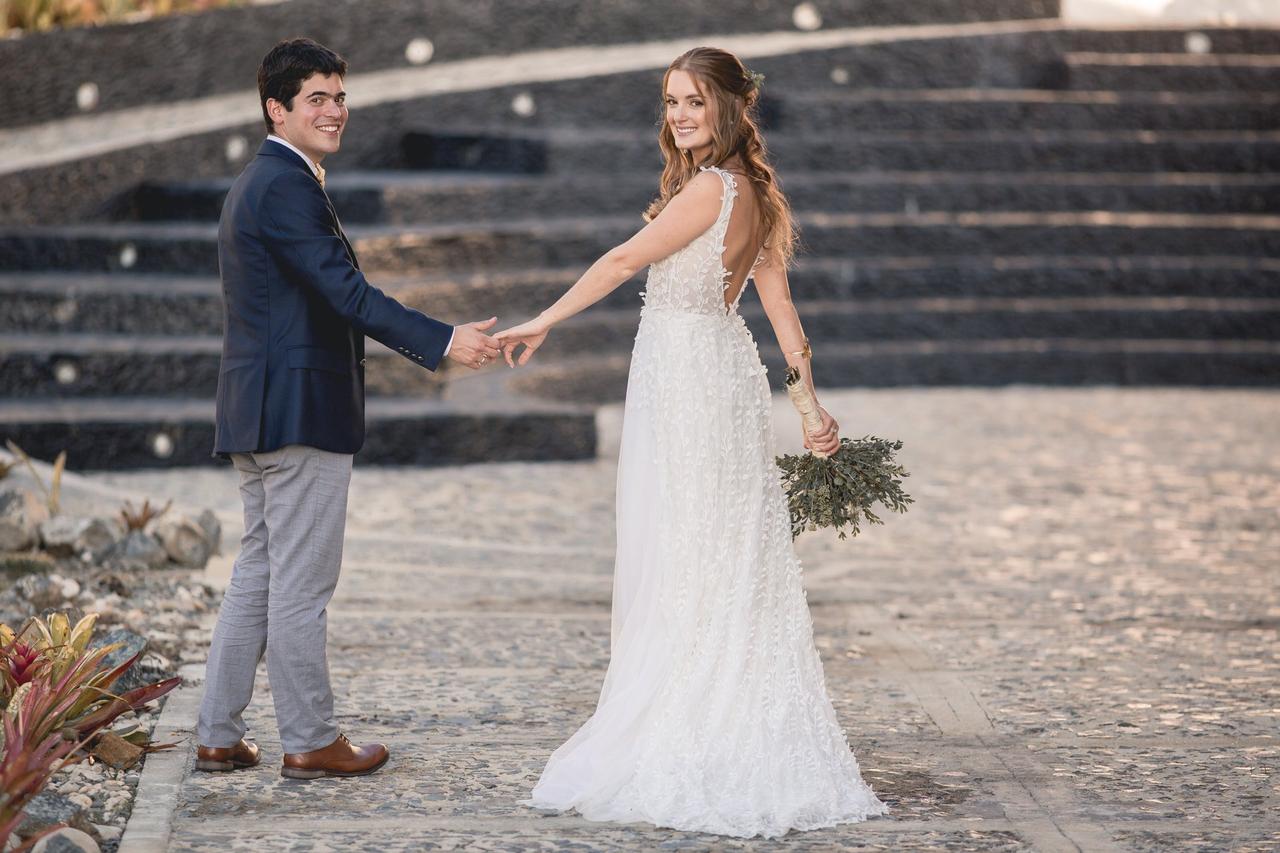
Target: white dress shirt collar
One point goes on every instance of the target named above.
(294, 149)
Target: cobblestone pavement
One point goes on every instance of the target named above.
(1069, 643)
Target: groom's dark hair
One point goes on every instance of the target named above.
(287, 65)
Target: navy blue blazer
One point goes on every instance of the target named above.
(296, 312)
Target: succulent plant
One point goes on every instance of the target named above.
(138, 519)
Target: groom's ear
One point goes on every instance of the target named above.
(276, 109)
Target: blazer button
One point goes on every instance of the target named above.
(363, 360)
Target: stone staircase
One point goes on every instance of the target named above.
(1060, 206)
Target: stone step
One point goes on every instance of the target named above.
(1176, 39)
(1034, 60)
(965, 318)
(68, 365)
(887, 110)
(143, 432)
(58, 62)
(432, 197)
(565, 152)
(963, 362)
(524, 244)
(179, 305)
(1210, 72)
(36, 366)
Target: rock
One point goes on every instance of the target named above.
(87, 538)
(67, 841)
(131, 644)
(112, 583)
(69, 587)
(82, 800)
(115, 751)
(47, 809)
(165, 643)
(108, 833)
(208, 520)
(42, 592)
(149, 669)
(138, 550)
(21, 514)
(185, 541)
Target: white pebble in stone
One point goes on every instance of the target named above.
(65, 372)
(162, 445)
(82, 800)
(1198, 43)
(128, 255)
(840, 76)
(806, 17)
(87, 96)
(65, 311)
(70, 588)
(523, 105)
(237, 147)
(419, 51)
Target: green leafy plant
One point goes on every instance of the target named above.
(57, 696)
(839, 491)
(52, 492)
(35, 748)
(57, 640)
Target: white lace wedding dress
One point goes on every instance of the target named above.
(714, 715)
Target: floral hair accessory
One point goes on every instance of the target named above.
(756, 79)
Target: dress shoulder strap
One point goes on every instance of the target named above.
(726, 200)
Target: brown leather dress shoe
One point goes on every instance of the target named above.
(340, 758)
(220, 759)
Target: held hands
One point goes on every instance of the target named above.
(531, 334)
(472, 347)
(827, 439)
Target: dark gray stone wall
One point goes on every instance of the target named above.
(190, 56)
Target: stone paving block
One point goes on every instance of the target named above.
(373, 587)
(1201, 839)
(537, 640)
(1225, 785)
(539, 836)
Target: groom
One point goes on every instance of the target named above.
(290, 414)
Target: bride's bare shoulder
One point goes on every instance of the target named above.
(704, 189)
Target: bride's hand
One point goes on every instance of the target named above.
(531, 334)
(827, 438)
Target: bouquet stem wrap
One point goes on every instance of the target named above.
(805, 405)
(838, 490)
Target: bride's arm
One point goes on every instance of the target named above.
(689, 213)
(775, 296)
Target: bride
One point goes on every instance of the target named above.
(714, 715)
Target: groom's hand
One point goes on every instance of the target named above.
(472, 347)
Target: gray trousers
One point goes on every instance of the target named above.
(295, 512)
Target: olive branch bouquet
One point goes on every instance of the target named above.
(838, 490)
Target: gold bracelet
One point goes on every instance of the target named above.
(804, 353)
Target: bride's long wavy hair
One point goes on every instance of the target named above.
(732, 94)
